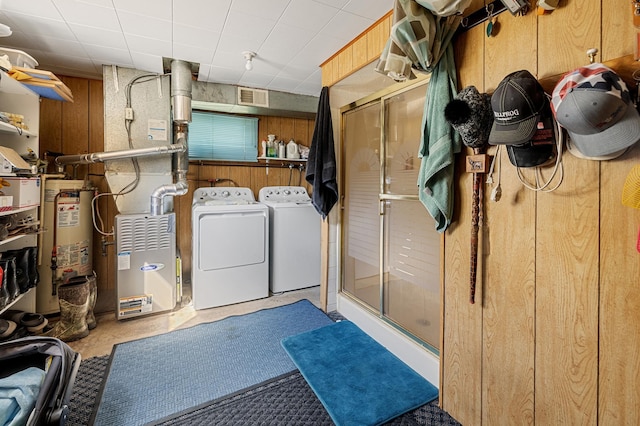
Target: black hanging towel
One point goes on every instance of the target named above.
(321, 164)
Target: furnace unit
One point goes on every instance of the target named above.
(146, 277)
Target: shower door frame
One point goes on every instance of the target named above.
(384, 198)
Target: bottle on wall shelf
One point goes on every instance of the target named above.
(281, 150)
(272, 147)
(292, 150)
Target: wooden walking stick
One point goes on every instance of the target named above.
(470, 113)
(478, 165)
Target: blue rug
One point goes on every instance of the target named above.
(358, 381)
(152, 378)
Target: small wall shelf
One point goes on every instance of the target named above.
(290, 160)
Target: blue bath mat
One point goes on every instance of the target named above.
(358, 381)
(154, 377)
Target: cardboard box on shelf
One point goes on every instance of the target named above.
(25, 191)
(6, 203)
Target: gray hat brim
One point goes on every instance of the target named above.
(618, 137)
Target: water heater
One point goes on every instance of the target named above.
(67, 224)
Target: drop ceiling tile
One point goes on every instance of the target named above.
(321, 48)
(298, 13)
(159, 9)
(41, 9)
(150, 63)
(98, 36)
(300, 72)
(145, 26)
(346, 26)
(338, 4)
(271, 9)
(224, 75)
(265, 66)
(70, 62)
(233, 60)
(108, 55)
(198, 37)
(284, 42)
(76, 12)
(149, 45)
(246, 26)
(21, 41)
(371, 9)
(41, 26)
(237, 45)
(282, 83)
(201, 13)
(69, 47)
(191, 53)
(103, 3)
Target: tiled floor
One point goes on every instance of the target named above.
(111, 331)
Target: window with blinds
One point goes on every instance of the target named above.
(223, 137)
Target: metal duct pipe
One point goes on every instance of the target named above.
(100, 157)
(181, 91)
(181, 106)
(180, 168)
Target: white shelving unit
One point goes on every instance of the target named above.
(18, 99)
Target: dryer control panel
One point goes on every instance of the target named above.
(227, 195)
(284, 194)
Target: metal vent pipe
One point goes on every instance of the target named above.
(181, 106)
(181, 91)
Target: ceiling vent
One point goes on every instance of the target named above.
(254, 97)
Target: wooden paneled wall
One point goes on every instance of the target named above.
(554, 335)
(360, 52)
(74, 128)
(78, 127)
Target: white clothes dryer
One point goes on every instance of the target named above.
(295, 238)
(230, 247)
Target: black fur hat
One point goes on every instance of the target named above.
(470, 113)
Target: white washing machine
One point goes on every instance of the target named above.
(295, 238)
(230, 247)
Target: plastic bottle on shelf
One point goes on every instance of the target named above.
(292, 150)
(281, 150)
(272, 147)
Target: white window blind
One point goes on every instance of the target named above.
(223, 137)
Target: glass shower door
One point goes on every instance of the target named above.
(390, 248)
(410, 243)
(361, 217)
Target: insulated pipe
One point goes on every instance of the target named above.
(99, 157)
(181, 91)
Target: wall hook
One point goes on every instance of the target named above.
(591, 53)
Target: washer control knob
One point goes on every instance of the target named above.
(287, 192)
(225, 194)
